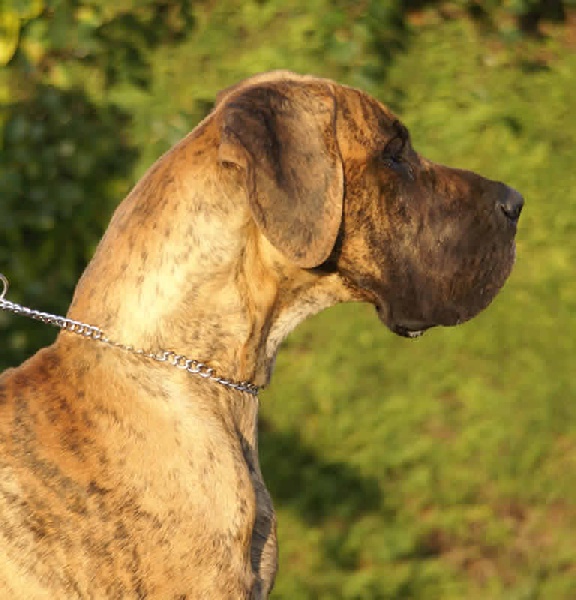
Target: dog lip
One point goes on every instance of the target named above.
(406, 332)
(402, 330)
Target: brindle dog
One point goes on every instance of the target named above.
(122, 477)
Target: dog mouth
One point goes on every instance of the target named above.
(405, 332)
(410, 330)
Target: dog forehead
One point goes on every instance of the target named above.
(269, 77)
(363, 123)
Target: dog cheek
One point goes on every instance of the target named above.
(444, 267)
(470, 269)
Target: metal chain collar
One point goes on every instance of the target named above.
(95, 333)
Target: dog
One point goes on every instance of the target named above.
(130, 470)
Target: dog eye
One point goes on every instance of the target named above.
(393, 159)
(394, 148)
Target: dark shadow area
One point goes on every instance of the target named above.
(125, 57)
(317, 489)
(331, 495)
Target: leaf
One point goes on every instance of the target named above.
(9, 34)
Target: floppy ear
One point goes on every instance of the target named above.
(282, 134)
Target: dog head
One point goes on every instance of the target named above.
(335, 185)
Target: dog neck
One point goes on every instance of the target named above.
(196, 276)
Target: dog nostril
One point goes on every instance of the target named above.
(512, 205)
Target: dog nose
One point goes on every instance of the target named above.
(511, 205)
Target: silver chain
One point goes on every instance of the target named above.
(95, 333)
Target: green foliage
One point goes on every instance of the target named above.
(63, 169)
(437, 469)
(13, 14)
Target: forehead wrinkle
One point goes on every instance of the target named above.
(357, 122)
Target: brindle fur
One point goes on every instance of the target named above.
(124, 478)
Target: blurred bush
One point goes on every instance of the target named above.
(64, 164)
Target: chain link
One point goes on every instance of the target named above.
(91, 332)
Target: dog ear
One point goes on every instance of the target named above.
(282, 134)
